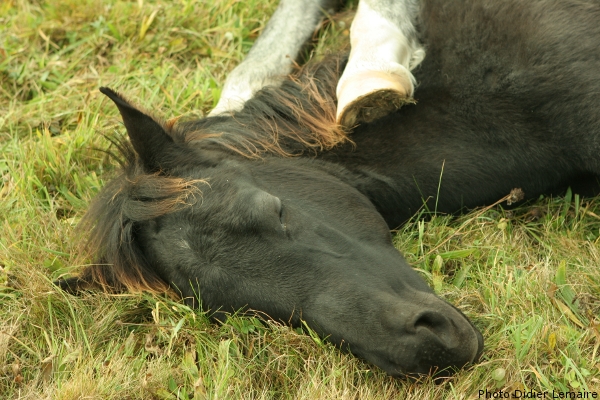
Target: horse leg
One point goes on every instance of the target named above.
(377, 79)
(273, 54)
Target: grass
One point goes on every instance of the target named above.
(529, 277)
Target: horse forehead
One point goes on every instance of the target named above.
(233, 201)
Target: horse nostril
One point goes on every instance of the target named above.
(430, 320)
(438, 324)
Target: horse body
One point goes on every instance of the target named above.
(508, 98)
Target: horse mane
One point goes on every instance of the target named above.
(284, 121)
(133, 196)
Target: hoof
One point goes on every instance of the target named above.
(372, 106)
(371, 95)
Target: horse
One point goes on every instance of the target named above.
(276, 209)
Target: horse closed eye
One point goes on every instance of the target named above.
(281, 215)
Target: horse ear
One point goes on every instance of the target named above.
(147, 136)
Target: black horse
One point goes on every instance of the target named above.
(274, 209)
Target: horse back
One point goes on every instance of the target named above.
(511, 67)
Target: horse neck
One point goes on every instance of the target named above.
(398, 164)
(386, 191)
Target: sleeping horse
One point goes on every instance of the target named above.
(275, 209)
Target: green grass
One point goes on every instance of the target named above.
(529, 278)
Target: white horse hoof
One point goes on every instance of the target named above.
(369, 95)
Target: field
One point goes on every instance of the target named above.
(529, 278)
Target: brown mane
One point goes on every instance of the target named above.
(133, 196)
(287, 120)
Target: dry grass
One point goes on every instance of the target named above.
(529, 278)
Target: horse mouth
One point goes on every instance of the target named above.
(437, 373)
